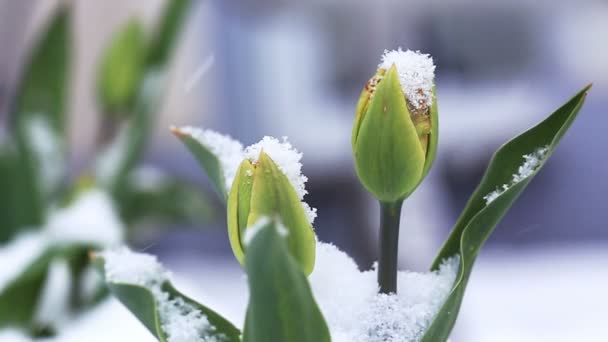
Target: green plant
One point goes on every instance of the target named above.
(396, 126)
(49, 221)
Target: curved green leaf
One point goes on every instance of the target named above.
(142, 302)
(38, 114)
(478, 219)
(207, 160)
(281, 305)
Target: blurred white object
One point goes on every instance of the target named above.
(552, 294)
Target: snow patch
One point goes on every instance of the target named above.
(53, 304)
(21, 252)
(90, 219)
(231, 153)
(180, 320)
(227, 150)
(416, 74)
(531, 163)
(287, 159)
(354, 310)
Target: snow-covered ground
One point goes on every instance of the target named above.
(553, 294)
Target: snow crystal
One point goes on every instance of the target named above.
(231, 153)
(354, 310)
(287, 159)
(416, 74)
(227, 150)
(531, 163)
(180, 321)
(90, 219)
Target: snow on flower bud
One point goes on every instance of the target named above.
(394, 137)
(262, 189)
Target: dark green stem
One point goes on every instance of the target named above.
(390, 213)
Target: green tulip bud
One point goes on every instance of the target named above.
(121, 68)
(394, 137)
(260, 189)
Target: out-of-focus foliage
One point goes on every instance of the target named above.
(33, 160)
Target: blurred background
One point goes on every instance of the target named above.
(287, 68)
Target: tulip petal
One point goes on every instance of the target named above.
(389, 158)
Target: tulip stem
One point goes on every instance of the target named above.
(389, 246)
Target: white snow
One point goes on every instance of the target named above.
(287, 159)
(354, 310)
(21, 252)
(531, 163)
(54, 300)
(231, 153)
(180, 321)
(227, 150)
(416, 74)
(90, 219)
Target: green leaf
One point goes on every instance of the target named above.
(38, 114)
(19, 298)
(123, 153)
(165, 37)
(207, 160)
(15, 208)
(164, 198)
(143, 304)
(121, 67)
(478, 220)
(281, 305)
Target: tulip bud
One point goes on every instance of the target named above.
(121, 68)
(260, 189)
(394, 137)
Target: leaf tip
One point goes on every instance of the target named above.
(177, 131)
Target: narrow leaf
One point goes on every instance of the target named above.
(123, 153)
(38, 114)
(281, 305)
(145, 303)
(479, 218)
(166, 35)
(215, 154)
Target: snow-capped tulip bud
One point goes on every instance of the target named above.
(260, 189)
(394, 137)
